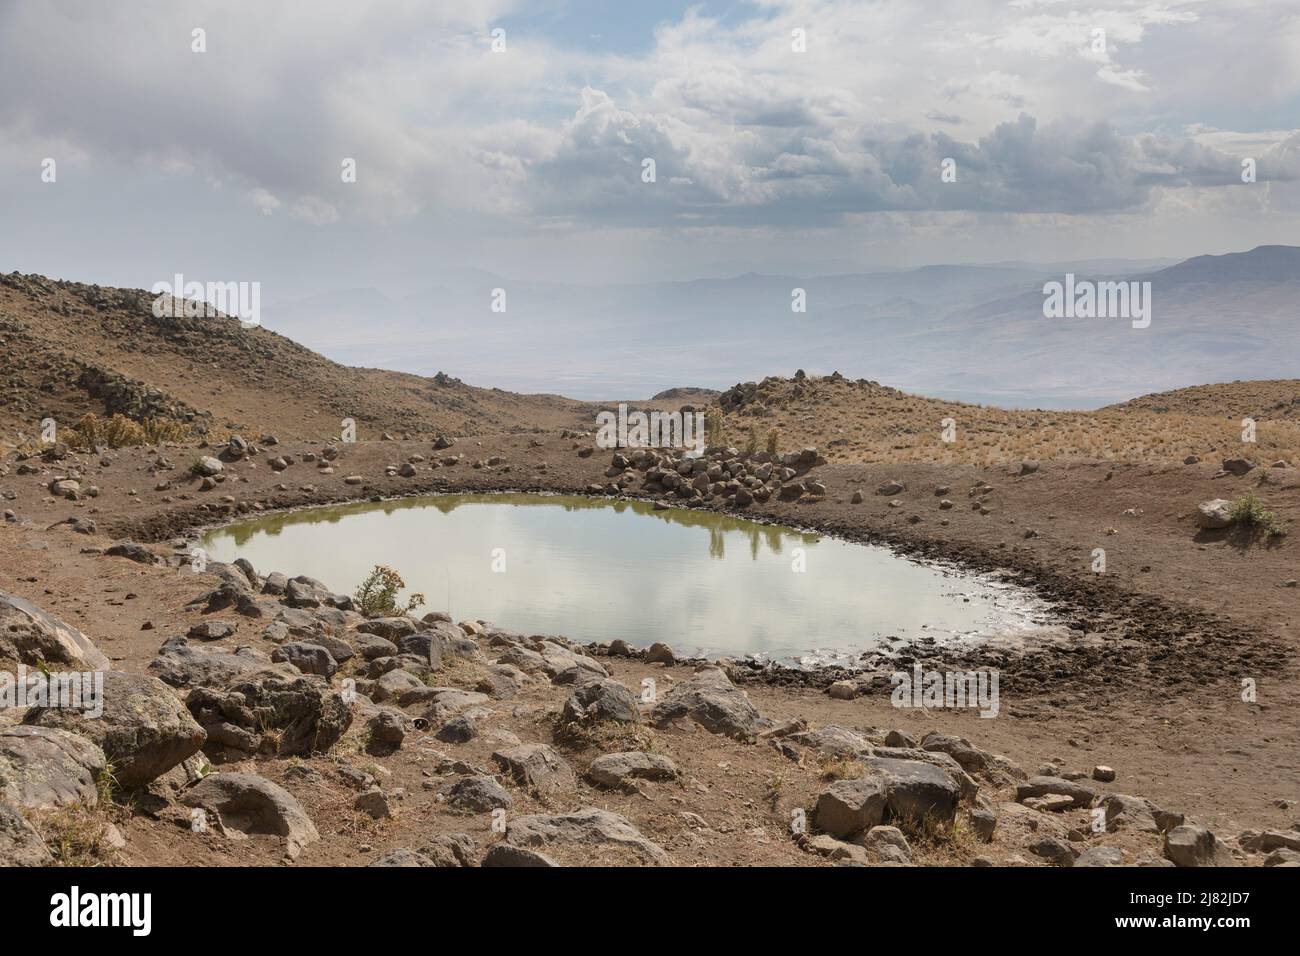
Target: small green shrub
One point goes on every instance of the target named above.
(1248, 511)
(377, 594)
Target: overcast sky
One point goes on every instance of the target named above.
(528, 162)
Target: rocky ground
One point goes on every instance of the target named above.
(245, 703)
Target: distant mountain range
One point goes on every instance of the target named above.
(969, 332)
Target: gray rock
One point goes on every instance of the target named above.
(207, 467)
(20, 844)
(537, 767)
(887, 844)
(391, 629)
(287, 715)
(660, 653)
(502, 681)
(403, 857)
(1216, 513)
(618, 771)
(588, 827)
(246, 804)
(461, 729)
(601, 700)
(375, 803)
(504, 854)
(916, 791)
(983, 823)
(308, 658)
(44, 767)
(443, 702)
(371, 646)
(848, 807)
(1053, 850)
(144, 730)
(712, 701)
(1041, 786)
(393, 684)
(479, 795)
(1128, 812)
(387, 728)
(211, 630)
(1190, 845)
(31, 636)
(1101, 856)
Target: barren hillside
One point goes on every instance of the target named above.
(1267, 399)
(67, 349)
(863, 421)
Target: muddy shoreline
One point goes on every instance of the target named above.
(1134, 638)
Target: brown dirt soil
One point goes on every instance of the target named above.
(1150, 684)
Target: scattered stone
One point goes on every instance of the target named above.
(1190, 845)
(587, 827)
(601, 700)
(479, 795)
(536, 766)
(712, 701)
(245, 804)
(375, 803)
(1216, 513)
(617, 771)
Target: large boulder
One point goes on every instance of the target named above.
(848, 807)
(1216, 513)
(143, 730)
(605, 699)
(479, 795)
(183, 664)
(621, 770)
(588, 828)
(712, 701)
(306, 657)
(1124, 811)
(244, 804)
(286, 716)
(36, 638)
(536, 766)
(1190, 845)
(915, 791)
(44, 767)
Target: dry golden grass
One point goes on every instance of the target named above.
(120, 431)
(861, 422)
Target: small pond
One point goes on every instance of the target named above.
(705, 583)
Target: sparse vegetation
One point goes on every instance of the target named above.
(1249, 512)
(76, 835)
(120, 432)
(377, 594)
(841, 768)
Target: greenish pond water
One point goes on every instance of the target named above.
(705, 583)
